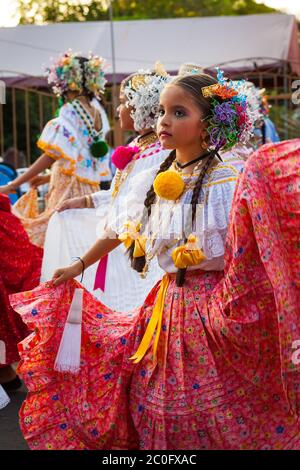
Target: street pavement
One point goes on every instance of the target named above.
(10, 435)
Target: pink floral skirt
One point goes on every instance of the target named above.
(196, 396)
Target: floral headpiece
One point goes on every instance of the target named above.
(68, 73)
(253, 95)
(232, 120)
(142, 93)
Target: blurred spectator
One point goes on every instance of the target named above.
(14, 158)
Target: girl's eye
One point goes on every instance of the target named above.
(179, 113)
(161, 112)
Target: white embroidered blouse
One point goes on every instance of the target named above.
(67, 138)
(170, 221)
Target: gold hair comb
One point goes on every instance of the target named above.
(209, 91)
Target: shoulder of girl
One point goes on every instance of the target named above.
(222, 173)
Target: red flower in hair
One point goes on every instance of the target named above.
(123, 155)
(224, 92)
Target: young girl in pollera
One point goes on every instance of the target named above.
(209, 377)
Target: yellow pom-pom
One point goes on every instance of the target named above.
(168, 185)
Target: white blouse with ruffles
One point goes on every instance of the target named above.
(66, 137)
(169, 223)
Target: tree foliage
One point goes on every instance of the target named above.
(55, 11)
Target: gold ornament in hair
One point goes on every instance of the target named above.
(137, 81)
(159, 69)
(209, 91)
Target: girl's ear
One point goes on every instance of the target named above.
(204, 137)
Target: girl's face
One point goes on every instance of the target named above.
(180, 121)
(126, 121)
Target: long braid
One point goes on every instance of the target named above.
(139, 263)
(194, 201)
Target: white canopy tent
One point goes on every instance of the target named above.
(234, 40)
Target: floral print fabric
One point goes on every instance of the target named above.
(224, 377)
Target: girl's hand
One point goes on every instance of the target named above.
(7, 189)
(64, 274)
(39, 180)
(75, 203)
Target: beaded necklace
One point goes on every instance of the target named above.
(98, 148)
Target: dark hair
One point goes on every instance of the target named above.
(192, 84)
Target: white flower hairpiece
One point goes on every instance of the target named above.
(142, 93)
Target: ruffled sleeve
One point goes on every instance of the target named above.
(101, 198)
(130, 207)
(59, 138)
(218, 198)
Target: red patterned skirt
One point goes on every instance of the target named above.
(20, 270)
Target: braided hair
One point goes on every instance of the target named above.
(194, 201)
(139, 263)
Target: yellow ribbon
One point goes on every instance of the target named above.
(188, 255)
(130, 235)
(155, 322)
(139, 246)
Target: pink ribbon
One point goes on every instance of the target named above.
(100, 277)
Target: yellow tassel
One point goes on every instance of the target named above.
(154, 323)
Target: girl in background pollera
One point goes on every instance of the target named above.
(73, 143)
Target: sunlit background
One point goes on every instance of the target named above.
(9, 17)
